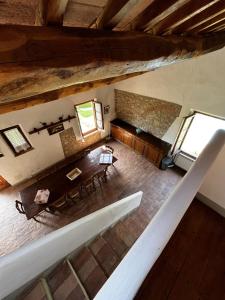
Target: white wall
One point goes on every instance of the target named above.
(47, 149)
(197, 84)
(213, 186)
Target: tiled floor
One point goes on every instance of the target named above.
(132, 173)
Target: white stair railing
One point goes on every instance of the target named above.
(129, 275)
(24, 264)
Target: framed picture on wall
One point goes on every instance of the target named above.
(55, 128)
(106, 109)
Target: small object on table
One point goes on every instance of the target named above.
(106, 159)
(74, 174)
(42, 196)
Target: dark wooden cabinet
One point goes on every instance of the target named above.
(128, 139)
(117, 133)
(139, 146)
(144, 143)
(153, 154)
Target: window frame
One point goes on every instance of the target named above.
(102, 115)
(93, 101)
(8, 142)
(192, 114)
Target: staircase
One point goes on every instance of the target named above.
(81, 275)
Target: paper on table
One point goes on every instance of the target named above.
(42, 196)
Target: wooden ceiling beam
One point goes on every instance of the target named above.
(220, 28)
(35, 60)
(165, 14)
(138, 6)
(56, 11)
(182, 14)
(61, 93)
(212, 26)
(201, 18)
(155, 12)
(209, 23)
(111, 9)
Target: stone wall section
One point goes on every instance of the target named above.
(71, 145)
(151, 115)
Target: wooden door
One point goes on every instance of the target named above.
(139, 146)
(128, 139)
(117, 133)
(152, 153)
(3, 183)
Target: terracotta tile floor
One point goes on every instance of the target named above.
(132, 173)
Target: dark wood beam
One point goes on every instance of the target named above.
(166, 13)
(213, 26)
(129, 13)
(154, 13)
(56, 11)
(200, 18)
(182, 14)
(210, 23)
(61, 93)
(35, 60)
(111, 9)
(220, 28)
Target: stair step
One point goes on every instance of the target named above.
(105, 255)
(140, 220)
(121, 230)
(116, 243)
(89, 271)
(133, 227)
(35, 292)
(63, 284)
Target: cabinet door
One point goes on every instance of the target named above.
(152, 153)
(117, 133)
(139, 146)
(128, 139)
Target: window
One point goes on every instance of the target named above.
(90, 116)
(196, 132)
(16, 140)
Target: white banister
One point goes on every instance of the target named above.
(24, 264)
(129, 275)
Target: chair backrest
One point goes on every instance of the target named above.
(19, 207)
(109, 148)
(100, 173)
(88, 181)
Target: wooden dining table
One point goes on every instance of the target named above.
(58, 184)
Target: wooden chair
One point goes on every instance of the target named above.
(88, 185)
(61, 203)
(109, 149)
(101, 176)
(19, 207)
(74, 194)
